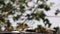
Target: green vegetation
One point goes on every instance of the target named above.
(9, 9)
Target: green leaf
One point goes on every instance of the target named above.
(42, 0)
(56, 29)
(33, 14)
(30, 18)
(21, 1)
(49, 25)
(41, 6)
(8, 7)
(47, 8)
(2, 19)
(38, 15)
(42, 15)
(37, 18)
(28, 15)
(27, 4)
(46, 21)
(13, 1)
(8, 23)
(22, 9)
(43, 20)
(16, 18)
(10, 13)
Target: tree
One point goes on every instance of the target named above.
(40, 29)
(2, 21)
(11, 9)
(9, 27)
(56, 30)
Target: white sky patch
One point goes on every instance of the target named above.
(30, 4)
(55, 21)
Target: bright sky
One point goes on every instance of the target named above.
(54, 20)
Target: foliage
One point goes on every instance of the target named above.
(16, 17)
(57, 12)
(22, 9)
(41, 29)
(2, 2)
(1, 18)
(46, 21)
(56, 28)
(9, 9)
(13, 1)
